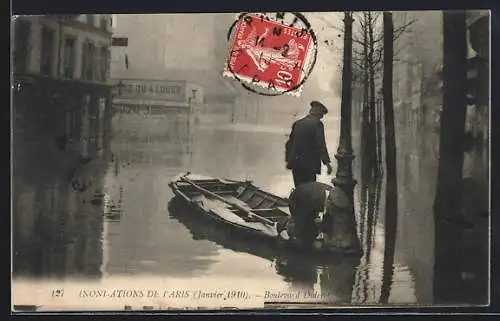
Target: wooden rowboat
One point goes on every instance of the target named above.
(240, 204)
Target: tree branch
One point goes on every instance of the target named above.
(378, 59)
(357, 53)
(357, 65)
(362, 20)
(399, 31)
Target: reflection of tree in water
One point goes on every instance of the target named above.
(370, 206)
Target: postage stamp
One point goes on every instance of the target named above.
(270, 57)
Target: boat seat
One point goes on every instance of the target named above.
(226, 192)
(285, 209)
(195, 193)
(272, 218)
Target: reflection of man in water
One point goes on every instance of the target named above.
(297, 270)
(306, 147)
(337, 280)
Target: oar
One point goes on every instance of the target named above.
(222, 199)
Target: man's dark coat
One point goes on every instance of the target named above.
(306, 147)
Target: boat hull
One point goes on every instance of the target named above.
(234, 204)
(214, 210)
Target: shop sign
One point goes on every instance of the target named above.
(151, 89)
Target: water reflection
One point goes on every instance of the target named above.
(114, 208)
(140, 238)
(368, 218)
(333, 276)
(57, 210)
(137, 230)
(391, 224)
(56, 231)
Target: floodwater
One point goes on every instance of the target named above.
(137, 230)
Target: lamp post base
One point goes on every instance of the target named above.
(343, 236)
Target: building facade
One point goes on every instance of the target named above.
(60, 116)
(418, 102)
(62, 63)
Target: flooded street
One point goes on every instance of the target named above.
(139, 240)
(136, 229)
(127, 225)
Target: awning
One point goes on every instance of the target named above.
(122, 101)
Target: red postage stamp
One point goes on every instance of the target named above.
(269, 54)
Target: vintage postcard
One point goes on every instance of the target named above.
(250, 160)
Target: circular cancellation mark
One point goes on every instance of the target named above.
(271, 54)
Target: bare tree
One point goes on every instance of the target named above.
(367, 67)
(391, 197)
(367, 72)
(371, 19)
(448, 199)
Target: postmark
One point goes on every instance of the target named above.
(271, 54)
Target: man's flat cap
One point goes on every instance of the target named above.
(319, 106)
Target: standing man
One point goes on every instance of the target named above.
(306, 148)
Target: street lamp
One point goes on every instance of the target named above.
(189, 118)
(344, 235)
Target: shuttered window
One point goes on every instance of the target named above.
(21, 45)
(88, 61)
(47, 51)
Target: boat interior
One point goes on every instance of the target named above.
(245, 194)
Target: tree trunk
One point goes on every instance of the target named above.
(371, 100)
(447, 203)
(378, 111)
(391, 200)
(365, 133)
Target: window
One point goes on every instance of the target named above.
(21, 45)
(105, 58)
(88, 61)
(90, 19)
(98, 65)
(104, 23)
(101, 64)
(85, 60)
(47, 51)
(69, 57)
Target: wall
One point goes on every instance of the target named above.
(78, 30)
(54, 224)
(417, 103)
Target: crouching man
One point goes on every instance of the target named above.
(307, 204)
(318, 219)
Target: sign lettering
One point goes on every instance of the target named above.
(151, 89)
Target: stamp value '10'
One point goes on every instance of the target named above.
(268, 54)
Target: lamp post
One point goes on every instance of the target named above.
(344, 235)
(189, 119)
